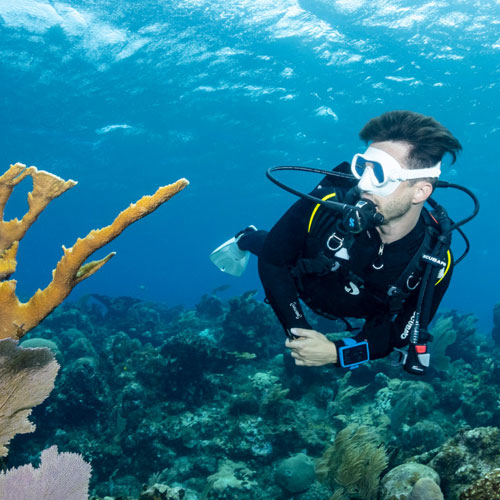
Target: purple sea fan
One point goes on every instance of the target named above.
(61, 476)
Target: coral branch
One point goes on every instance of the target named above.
(46, 187)
(18, 318)
(8, 261)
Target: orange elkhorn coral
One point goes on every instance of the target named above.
(17, 318)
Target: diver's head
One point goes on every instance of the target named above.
(403, 158)
(386, 179)
(428, 140)
(384, 166)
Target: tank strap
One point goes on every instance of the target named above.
(411, 277)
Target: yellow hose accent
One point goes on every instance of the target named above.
(328, 196)
(447, 268)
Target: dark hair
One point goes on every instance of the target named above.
(429, 140)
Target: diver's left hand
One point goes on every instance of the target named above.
(312, 348)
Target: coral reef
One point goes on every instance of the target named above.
(162, 492)
(17, 318)
(206, 403)
(27, 373)
(496, 324)
(466, 458)
(486, 488)
(229, 478)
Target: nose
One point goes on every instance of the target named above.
(367, 180)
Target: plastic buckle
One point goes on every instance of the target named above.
(403, 354)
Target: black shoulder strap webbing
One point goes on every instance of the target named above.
(411, 276)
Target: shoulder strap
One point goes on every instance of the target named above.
(410, 278)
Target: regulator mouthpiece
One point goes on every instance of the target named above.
(362, 216)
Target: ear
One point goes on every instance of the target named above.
(423, 189)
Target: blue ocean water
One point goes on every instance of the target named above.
(127, 96)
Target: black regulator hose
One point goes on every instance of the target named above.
(356, 218)
(456, 225)
(332, 205)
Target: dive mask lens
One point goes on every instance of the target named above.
(359, 165)
(378, 172)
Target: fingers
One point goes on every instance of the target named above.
(299, 360)
(293, 343)
(302, 332)
(305, 346)
(298, 348)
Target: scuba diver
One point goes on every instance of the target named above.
(362, 245)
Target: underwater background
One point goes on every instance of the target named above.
(126, 96)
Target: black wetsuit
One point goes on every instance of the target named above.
(358, 289)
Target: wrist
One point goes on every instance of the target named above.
(334, 358)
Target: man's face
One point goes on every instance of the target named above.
(398, 203)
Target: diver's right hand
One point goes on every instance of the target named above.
(311, 348)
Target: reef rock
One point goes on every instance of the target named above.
(466, 458)
(162, 492)
(486, 488)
